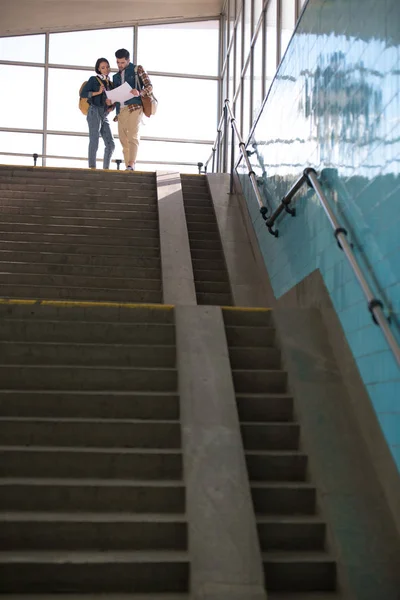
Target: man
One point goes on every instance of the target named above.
(129, 115)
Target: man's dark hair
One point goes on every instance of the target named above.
(98, 63)
(122, 53)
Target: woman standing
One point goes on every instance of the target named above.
(97, 118)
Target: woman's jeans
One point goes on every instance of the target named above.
(97, 119)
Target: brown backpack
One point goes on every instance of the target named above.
(83, 102)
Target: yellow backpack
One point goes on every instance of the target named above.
(83, 102)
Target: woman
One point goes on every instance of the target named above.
(97, 118)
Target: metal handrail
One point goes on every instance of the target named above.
(375, 306)
(227, 114)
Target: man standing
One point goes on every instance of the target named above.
(129, 115)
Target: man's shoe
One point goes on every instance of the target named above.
(129, 169)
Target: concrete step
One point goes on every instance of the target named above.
(209, 256)
(95, 405)
(211, 287)
(206, 209)
(212, 299)
(82, 271)
(78, 248)
(89, 433)
(291, 533)
(79, 205)
(88, 495)
(130, 596)
(123, 355)
(26, 531)
(59, 211)
(116, 263)
(205, 218)
(77, 281)
(95, 238)
(255, 358)
(113, 183)
(270, 436)
(96, 463)
(77, 293)
(110, 177)
(265, 407)
(258, 381)
(101, 313)
(85, 200)
(113, 571)
(335, 595)
(283, 498)
(242, 336)
(73, 188)
(123, 223)
(248, 317)
(204, 244)
(92, 231)
(268, 465)
(210, 275)
(65, 377)
(43, 330)
(299, 572)
(209, 228)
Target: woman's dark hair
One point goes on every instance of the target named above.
(98, 63)
(122, 53)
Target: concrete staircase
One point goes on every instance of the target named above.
(91, 490)
(80, 235)
(292, 534)
(209, 269)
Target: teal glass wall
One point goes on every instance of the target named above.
(335, 105)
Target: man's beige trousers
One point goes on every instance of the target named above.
(128, 131)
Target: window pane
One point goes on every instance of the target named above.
(232, 14)
(288, 23)
(246, 104)
(24, 48)
(76, 146)
(190, 111)
(170, 168)
(247, 27)
(83, 48)
(21, 113)
(25, 143)
(63, 111)
(180, 47)
(70, 164)
(18, 160)
(257, 74)
(173, 151)
(238, 45)
(271, 40)
(231, 82)
(257, 10)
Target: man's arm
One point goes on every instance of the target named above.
(145, 79)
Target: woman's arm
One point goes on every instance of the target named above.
(92, 88)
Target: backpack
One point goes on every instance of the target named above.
(84, 103)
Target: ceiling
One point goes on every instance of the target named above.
(38, 16)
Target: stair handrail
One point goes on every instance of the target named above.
(375, 306)
(227, 114)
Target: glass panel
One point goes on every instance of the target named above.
(24, 48)
(238, 51)
(247, 27)
(288, 23)
(71, 163)
(68, 145)
(237, 111)
(257, 73)
(246, 104)
(194, 50)
(18, 160)
(25, 143)
(83, 48)
(231, 76)
(173, 151)
(63, 111)
(271, 40)
(189, 112)
(232, 14)
(257, 10)
(20, 112)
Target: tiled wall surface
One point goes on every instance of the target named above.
(335, 106)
